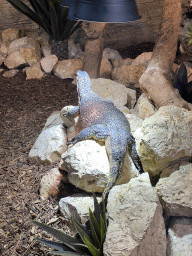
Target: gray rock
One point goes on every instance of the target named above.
(49, 146)
(164, 138)
(48, 63)
(9, 35)
(46, 50)
(53, 120)
(15, 60)
(111, 54)
(136, 226)
(180, 237)
(116, 92)
(10, 73)
(76, 206)
(34, 72)
(175, 192)
(1, 59)
(144, 108)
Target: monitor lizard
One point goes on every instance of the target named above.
(101, 120)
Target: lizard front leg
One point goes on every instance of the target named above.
(68, 114)
(97, 132)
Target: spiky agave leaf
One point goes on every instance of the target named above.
(60, 235)
(95, 229)
(93, 250)
(55, 245)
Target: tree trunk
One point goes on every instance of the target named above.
(93, 48)
(156, 81)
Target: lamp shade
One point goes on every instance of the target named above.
(112, 11)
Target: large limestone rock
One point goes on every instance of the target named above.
(128, 74)
(164, 137)
(68, 68)
(49, 146)
(116, 92)
(180, 237)
(175, 192)
(88, 168)
(136, 225)
(77, 207)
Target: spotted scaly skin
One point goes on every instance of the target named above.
(101, 120)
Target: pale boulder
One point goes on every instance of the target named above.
(116, 92)
(34, 72)
(46, 50)
(15, 60)
(128, 74)
(134, 121)
(28, 47)
(48, 63)
(144, 107)
(164, 138)
(142, 59)
(53, 120)
(76, 206)
(49, 146)
(87, 165)
(68, 68)
(3, 49)
(136, 225)
(175, 192)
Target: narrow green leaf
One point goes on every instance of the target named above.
(103, 229)
(93, 250)
(58, 234)
(190, 42)
(81, 231)
(56, 245)
(54, 22)
(95, 229)
(65, 253)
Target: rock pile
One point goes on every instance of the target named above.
(135, 208)
(32, 53)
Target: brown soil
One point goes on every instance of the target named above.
(24, 109)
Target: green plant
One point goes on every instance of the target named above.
(188, 33)
(50, 15)
(90, 236)
(180, 82)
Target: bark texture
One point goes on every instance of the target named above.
(93, 48)
(156, 81)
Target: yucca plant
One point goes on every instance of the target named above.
(180, 82)
(90, 237)
(52, 17)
